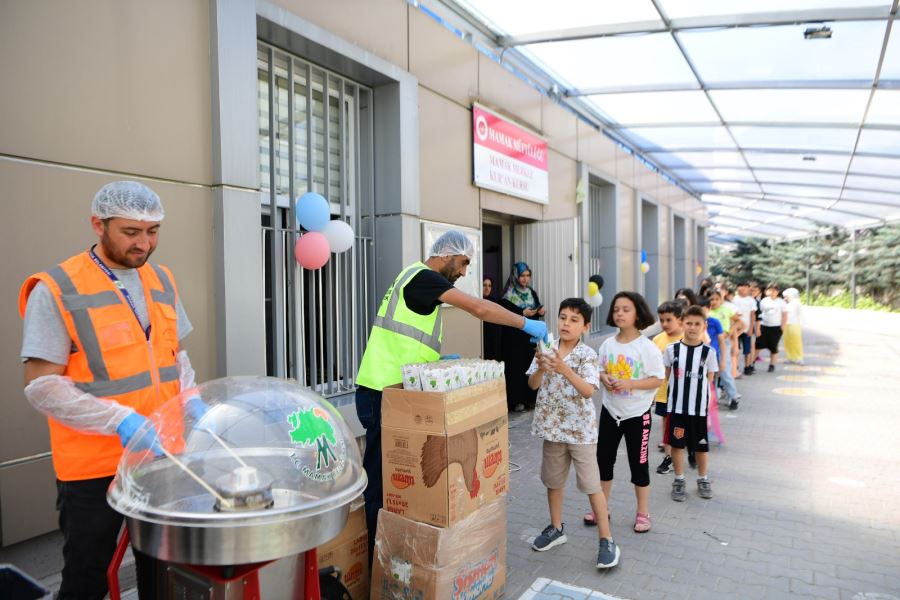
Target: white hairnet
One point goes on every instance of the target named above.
(791, 293)
(453, 243)
(127, 200)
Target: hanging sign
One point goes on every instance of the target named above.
(508, 158)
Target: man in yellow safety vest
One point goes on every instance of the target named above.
(407, 329)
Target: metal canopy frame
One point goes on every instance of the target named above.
(879, 139)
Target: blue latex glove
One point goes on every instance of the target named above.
(129, 426)
(196, 408)
(449, 356)
(536, 329)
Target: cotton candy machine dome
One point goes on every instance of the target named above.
(243, 469)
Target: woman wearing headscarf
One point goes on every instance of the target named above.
(520, 298)
(491, 332)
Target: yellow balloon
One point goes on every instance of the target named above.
(699, 269)
(592, 288)
(645, 267)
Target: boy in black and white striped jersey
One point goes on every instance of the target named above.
(690, 367)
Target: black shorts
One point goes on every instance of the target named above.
(768, 338)
(745, 340)
(660, 408)
(688, 431)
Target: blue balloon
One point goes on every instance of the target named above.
(643, 256)
(313, 212)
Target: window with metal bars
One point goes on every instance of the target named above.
(315, 134)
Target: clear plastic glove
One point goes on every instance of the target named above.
(186, 374)
(58, 398)
(536, 329)
(130, 425)
(449, 356)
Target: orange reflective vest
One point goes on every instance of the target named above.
(111, 356)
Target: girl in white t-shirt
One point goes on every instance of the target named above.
(772, 321)
(793, 338)
(631, 369)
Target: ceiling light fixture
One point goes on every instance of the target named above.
(817, 33)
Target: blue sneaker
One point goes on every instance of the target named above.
(551, 536)
(608, 555)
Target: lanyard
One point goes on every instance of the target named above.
(121, 286)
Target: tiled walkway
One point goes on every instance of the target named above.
(807, 490)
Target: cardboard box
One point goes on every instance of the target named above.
(348, 553)
(445, 454)
(423, 562)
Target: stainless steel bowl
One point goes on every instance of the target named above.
(264, 470)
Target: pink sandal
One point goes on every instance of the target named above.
(641, 523)
(590, 518)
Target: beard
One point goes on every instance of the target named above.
(126, 258)
(448, 273)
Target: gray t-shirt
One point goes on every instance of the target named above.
(45, 335)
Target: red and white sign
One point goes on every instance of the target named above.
(507, 158)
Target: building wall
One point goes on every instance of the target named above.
(91, 95)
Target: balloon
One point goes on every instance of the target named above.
(595, 300)
(339, 234)
(643, 256)
(312, 250)
(313, 212)
(592, 288)
(598, 280)
(699, 269)
(645, 267)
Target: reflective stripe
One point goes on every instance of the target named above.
(82, 301)
(432, 339)
(117, 386)
(84, 328)
(163, 297)
(167, 374)
(163, 278)
(167, 295)
(410, 332)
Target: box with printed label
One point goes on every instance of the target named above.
(445, 454)
(348, 555)
(419, 561)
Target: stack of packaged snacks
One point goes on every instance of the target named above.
(446, 375)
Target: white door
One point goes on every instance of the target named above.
(551, 250)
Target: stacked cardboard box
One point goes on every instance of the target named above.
(348, 555)
(442, 533)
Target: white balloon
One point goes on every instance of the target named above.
(339, 234)
(596, 300)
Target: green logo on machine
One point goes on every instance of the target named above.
(313, 427)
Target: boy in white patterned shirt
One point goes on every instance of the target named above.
(565, 417)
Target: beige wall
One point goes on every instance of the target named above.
(92, 92)
(118, 86)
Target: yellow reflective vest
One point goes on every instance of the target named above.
(399, 336)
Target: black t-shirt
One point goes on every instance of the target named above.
(423, 290)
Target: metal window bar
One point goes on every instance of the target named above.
(316, 133)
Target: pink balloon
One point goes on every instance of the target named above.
(312, 250)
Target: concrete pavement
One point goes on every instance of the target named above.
(807, 489)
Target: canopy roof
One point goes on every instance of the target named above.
(783, 116)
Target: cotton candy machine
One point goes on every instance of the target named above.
(238, 471)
